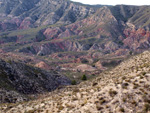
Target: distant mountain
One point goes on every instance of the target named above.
(77, 27)
(43, 12)
(109, 29)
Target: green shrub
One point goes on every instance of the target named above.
(143, 73)
(28, 48)
(84, 77)
(122, 110)
(112, 93)
(130, 52)
(146, 107)
(73, 82)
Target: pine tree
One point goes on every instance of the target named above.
(84, 77)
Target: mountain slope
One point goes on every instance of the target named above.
(122, 89)
(124, 12)
(141, 18)
(95, 34)
(107, 28)
(43, 12)
(20, 79)
(92, 27)
(76, 40)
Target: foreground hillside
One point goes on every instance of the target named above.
(125, 88)
(18, 81)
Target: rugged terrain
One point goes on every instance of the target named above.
(43, 40)
(102, 29)
(65, 32)
(18, 81)
(24, 13)
(126, 88)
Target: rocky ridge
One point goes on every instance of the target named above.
(107, 31)
(27, 14)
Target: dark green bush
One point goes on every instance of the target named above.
(84, 77)
(73, 82)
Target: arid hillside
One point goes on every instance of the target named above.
(126, 88)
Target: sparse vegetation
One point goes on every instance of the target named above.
(122, 110)
(84, 78)
(125, 85)
(101, 93)
(64, 35)
(130, 52)
(143, 73)
(112, 92)
(146, 107)
(73, 82)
